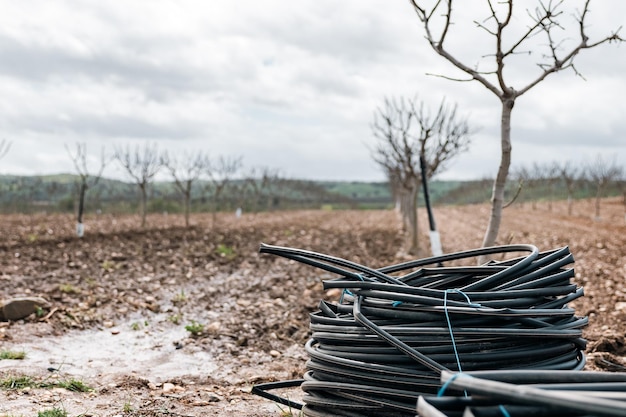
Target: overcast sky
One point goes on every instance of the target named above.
(291, 85)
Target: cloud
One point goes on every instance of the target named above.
(292, 85)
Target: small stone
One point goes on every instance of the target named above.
(274, 353)
(333, 293)
(214, 327)
(169, 388)
(115, 331)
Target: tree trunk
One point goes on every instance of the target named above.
(81, 201)
(144, 199)
(570, 204)
(598, 196)
(81, 208)
(187, 208)
(413, 235)
(497, 196)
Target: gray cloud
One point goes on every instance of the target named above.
(287, 84)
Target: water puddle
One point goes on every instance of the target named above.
(146, 349)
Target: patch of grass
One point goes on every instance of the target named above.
(289, 412)
(107, 265)
(17, 382)
(194, 328)
(225, 251)
(53, 412)
(175, 318)
(68, 289)
(127, 408)
(179, 298)
(75, 386)
(12, 354)
(23, 381)
(137, 325)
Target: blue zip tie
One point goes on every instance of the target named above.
(449, 381)
(347, 291)
(445, 310)
(503, 411)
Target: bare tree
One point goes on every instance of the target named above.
(571, 174)
(185, 171)
(141, 165)
(86, 180)
(545, 20)
(602, 173)
(221, 173)
(406, 129)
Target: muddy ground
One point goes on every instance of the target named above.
(124, 301)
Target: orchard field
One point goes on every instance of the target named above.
(175, 321)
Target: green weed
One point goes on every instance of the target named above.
(107, 265)
(179, 298)
(194, 328)
(127, 408)
(68, 289)
(53, 412)
(12, 354)
(75, 386)
(225, 251)
(289, 412)
(17, 382)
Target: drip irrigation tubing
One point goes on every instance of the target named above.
(493, 393)
(398, 330)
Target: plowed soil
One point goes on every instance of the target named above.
(177, 321)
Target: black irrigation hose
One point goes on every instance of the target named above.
(397, 329)
(590, 394)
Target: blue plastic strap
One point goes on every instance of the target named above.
(443, 388)
(445, 310)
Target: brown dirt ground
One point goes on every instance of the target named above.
(123, 284)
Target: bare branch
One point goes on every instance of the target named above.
(5, 145)
(567, 60)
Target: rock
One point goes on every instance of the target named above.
(21, 307)
(169, 388)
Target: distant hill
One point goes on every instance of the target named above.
(58, 193)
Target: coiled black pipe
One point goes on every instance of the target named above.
(398, 328)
